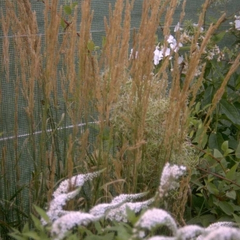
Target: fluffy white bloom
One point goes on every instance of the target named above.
(56, 205)
(237, 24)
(189, 232)
(221, 224)
(128, 197)
(65, 223)
(161, 238)
(180, 59)
(170, 178)
(215, 226)
(101, 209)
(120, 214)
(174, 45)
(158, 56)
(155, 217)
(177, 27)
(76, 181)
(196, 26)
(224, 233)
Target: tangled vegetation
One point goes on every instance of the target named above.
(107, 122)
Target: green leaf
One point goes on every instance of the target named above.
(218, 37)
(237, 152)
(212, 188)
(104, 40)
(32, 235)
(98, 227)
(224, 146)
(230, 111)
(63, 24)
(217, 154)
(67, 10)
(37, 223)
(231, 174)
(13, 235)
(108, 236)
(42, 213)
(237, 218)
(25, 228)
(90, 45)
(131, 216)
(231, 194)
(74, 4)
(201, 137)
(226, 208)
(215, 140)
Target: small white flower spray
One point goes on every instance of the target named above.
(223, 233)
(189, 232)
(152, 219)
(161, 238)
(173, 190)
(56, 205)
(75, 181)
(120, 214)
(170, 178)
(65, 223)
(61, 194)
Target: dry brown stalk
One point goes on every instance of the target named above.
(218, 95)
(179, 110)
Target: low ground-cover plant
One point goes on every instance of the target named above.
(100, 221)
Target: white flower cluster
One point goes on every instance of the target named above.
(56, 205)
(75, 181)
(170, 178)
(154, 219)
(120, 214)
(161, 52)
(63, 221)
(237, 22)
(62, 194)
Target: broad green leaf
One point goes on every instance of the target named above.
(17, 237)
(74, 4)
(218, 37)
(231, 194)
(37, 222)
(212, 188)
(67, 10)
(42, 213)
(90, 45)
(230, 111)
(32, 235)
(208, 96)
(201, 137)
(237, 218)
(108, 236)
(217, 154)
(104, 40)
(226, 207)
(215, 140)
(237, 152)
(224, 146)
(25, 228)
(98, 226)
(63, 24)
(131, 216)
(231, 174)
